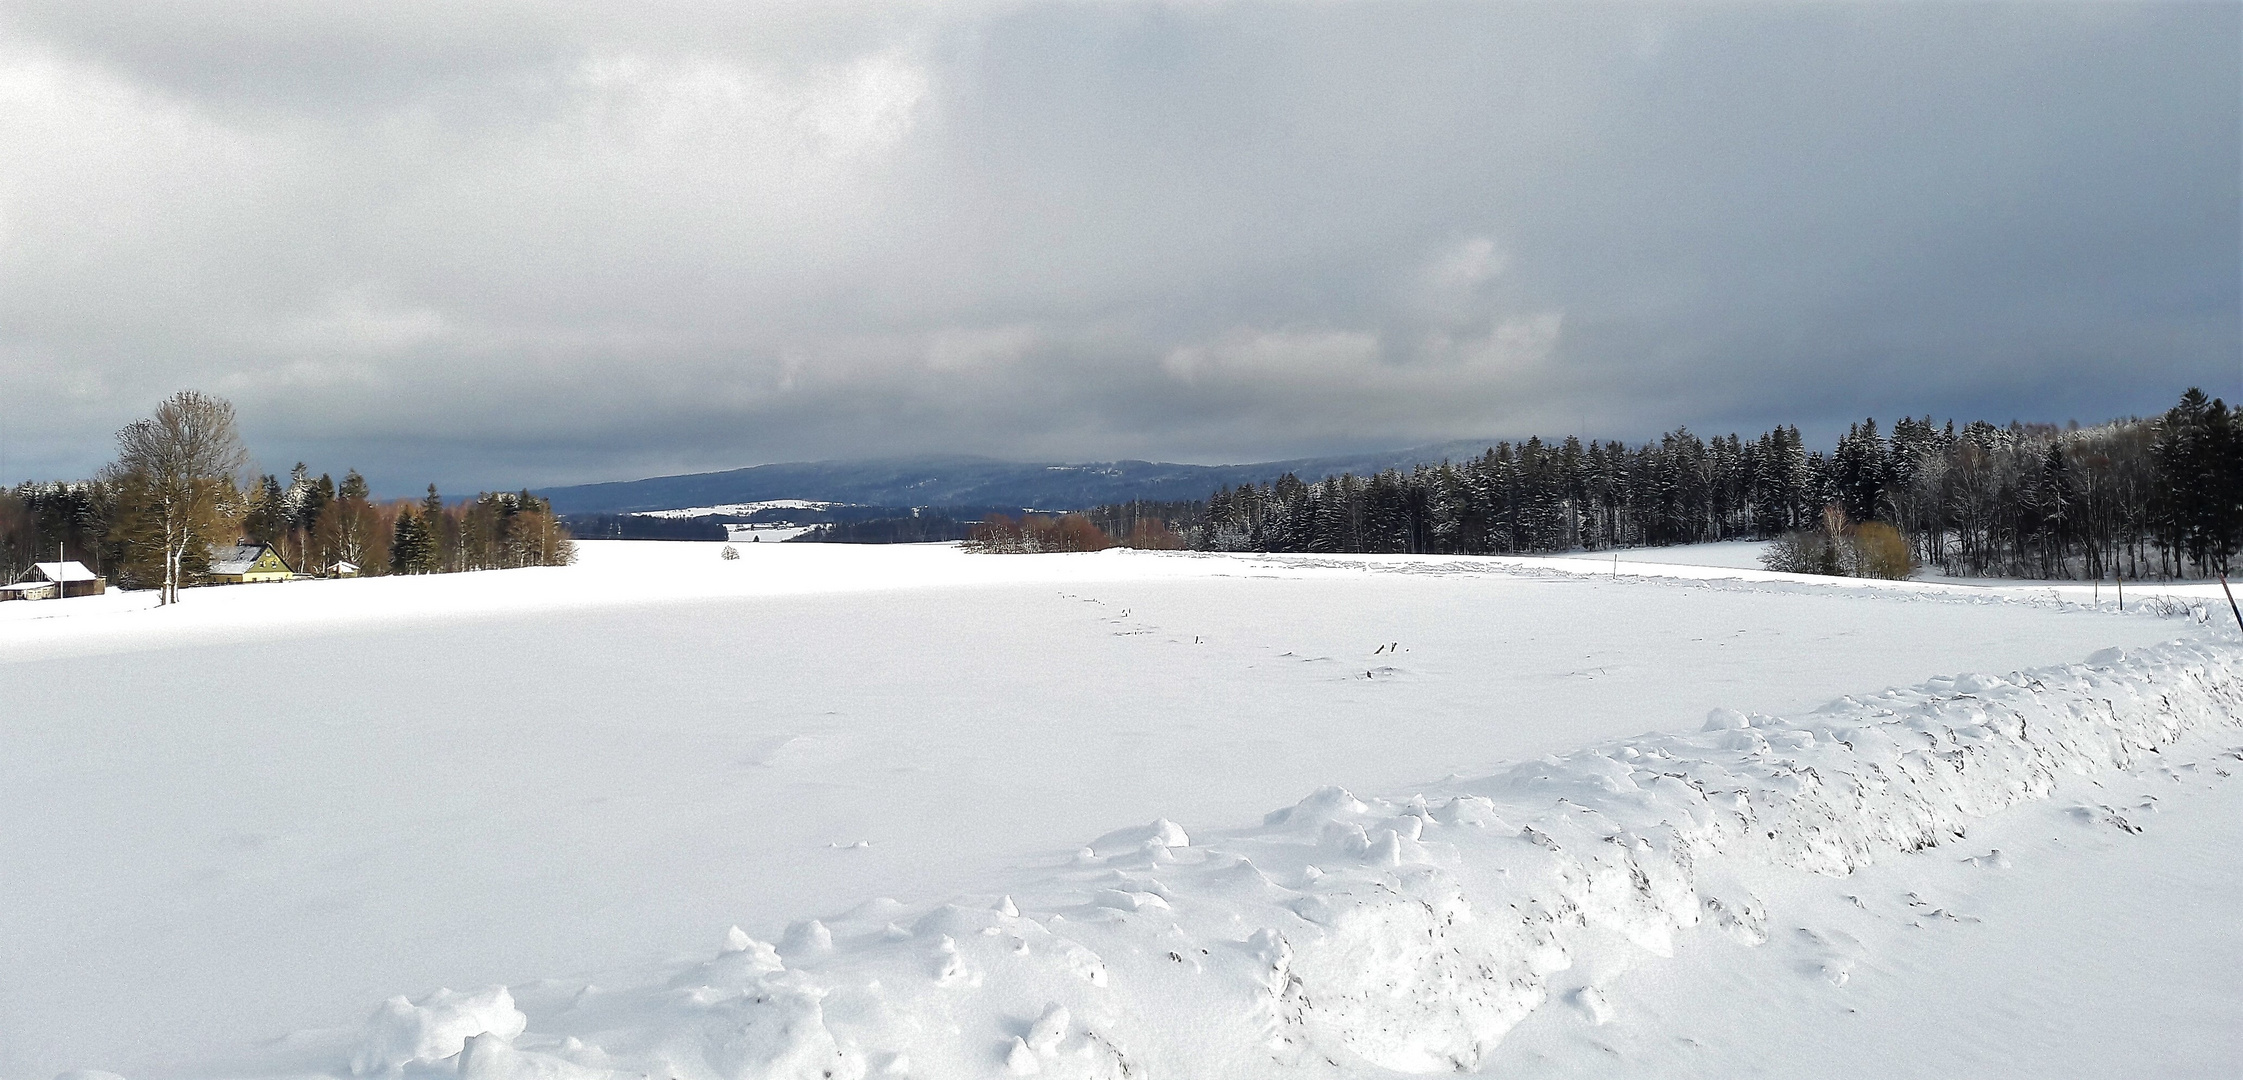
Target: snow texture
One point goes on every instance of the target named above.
(436, 1027)
(596, 763)
(1406, 934)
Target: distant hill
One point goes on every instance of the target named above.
(971, 481)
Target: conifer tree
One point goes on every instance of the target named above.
(267, 519)
(443, 532)
(411, 549)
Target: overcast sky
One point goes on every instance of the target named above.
(492, 244)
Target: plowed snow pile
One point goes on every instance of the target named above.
(1363, 936)
(273, 807)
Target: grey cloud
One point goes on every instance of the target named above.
(541, 243)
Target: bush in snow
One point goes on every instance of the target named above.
(1842, 548)
(1032, 533)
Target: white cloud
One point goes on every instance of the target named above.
(1466, 265)
(979, 349)
(351, 324)
(699, 233)
(689, 104)
(1277, 356)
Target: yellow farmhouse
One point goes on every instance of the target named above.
(248, 564)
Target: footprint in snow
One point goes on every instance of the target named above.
(768, 752)
(1926, 910)
(1593, 1005)
(1830, 954)
(2090, 815)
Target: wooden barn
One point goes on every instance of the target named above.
(52, 580)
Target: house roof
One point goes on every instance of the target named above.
(234, 558)
(62, 571)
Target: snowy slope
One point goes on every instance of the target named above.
(1405, 935)
(272, 807)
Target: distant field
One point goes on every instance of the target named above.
(1736, 554)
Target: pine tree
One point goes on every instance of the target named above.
(267, 519)
(1858, 471)
(2195, 457)
(442, 532)
(411, 550)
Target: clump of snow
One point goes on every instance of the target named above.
(1407, 934)
(403, 1032)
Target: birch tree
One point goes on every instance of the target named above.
(178, 478)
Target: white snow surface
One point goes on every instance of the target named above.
(767, 534)
(1726, 554)
(266, 810)
(736, 509)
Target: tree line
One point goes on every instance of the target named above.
(181, 485)
(1126, 525)
(2159, 497)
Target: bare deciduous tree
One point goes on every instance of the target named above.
(178, 479)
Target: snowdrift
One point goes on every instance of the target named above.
(1344, 934)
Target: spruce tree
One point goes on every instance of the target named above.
(436, 522)
(410, 548)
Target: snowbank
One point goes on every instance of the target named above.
(1404, 934)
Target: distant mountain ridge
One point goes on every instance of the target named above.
(973, 481)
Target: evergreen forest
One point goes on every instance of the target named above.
(2141, 498)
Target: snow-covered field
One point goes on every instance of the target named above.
(258, 815)
(765, 534)
(1728, 554)
(736, 509)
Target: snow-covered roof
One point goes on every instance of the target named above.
(234, 558)
(62, 571)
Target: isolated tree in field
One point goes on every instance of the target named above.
(178, 480)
